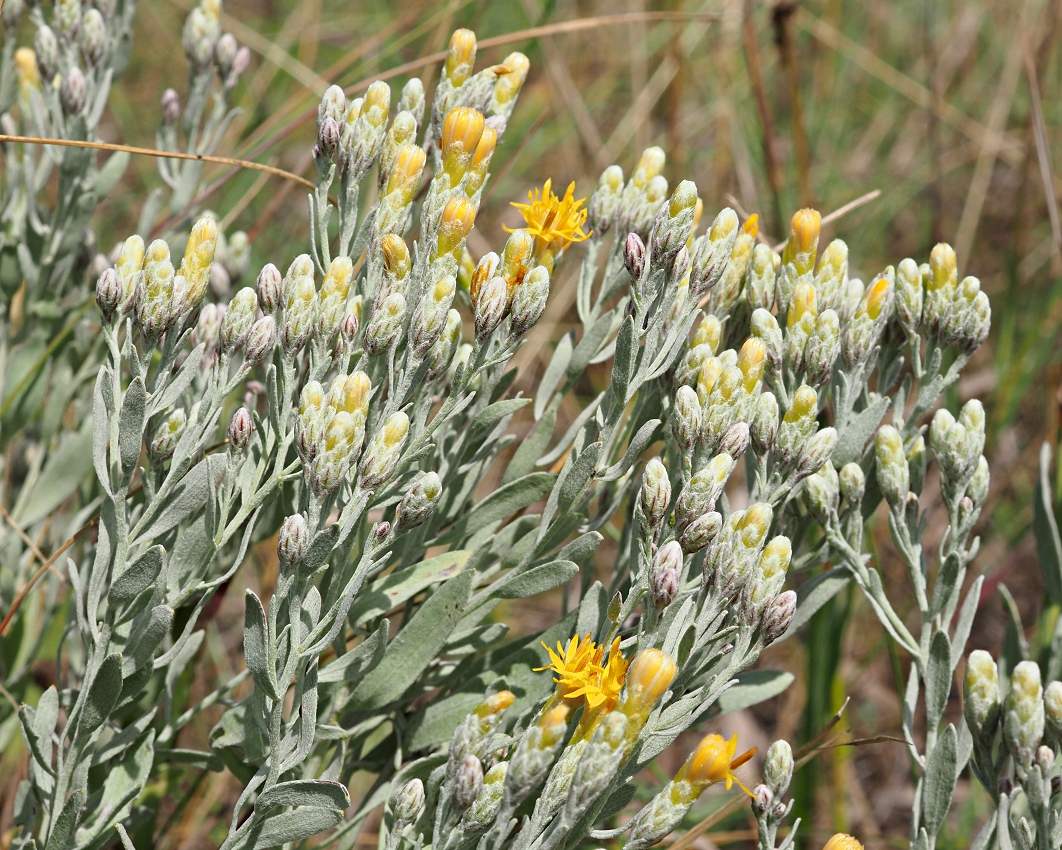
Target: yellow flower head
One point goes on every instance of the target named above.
(554, 222)
(714, 761)
(572, 664)
(841, 841)
(581, 673)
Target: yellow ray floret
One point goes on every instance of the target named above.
(582, 671)
(554, 222)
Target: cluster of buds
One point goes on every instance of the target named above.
(1028, 721)
(642, 196)
(768, 802)
(718, 394)
(946, 309)
(957, 446)
(509, 286)
(330, 429)
(731, 265)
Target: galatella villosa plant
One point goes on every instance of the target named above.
(352, 405)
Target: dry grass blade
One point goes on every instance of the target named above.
(25, 538)
(986, 158)
(107, 146)
(1042, 153)
(1006, 147)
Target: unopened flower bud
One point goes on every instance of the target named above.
(650, 675)
(735, 440)
(777, 616)
(891, 465)
(238, 320)
(842, 841)
(385, 451)
(429, 318)
(261, 340)
(461, 132)
(46, 48)
(1023, 712)
(762, 799)
(1053, 710)
(409, 803)
(852, 482)
(821, 493)
(493, 301)
(655, 496)
(603, 202)
(686, 418)
(418, 505)
(167, 435)
(93, 36)
(760, 282)
(469, 783)
(664, 586)
(711, 252)
(385, 324)
(293, 542)
(634, 255)
(765, 327)
(73, 92)
(458, 216)
(699, 533)
(764, 425)
(460, 57)
(268, 286)
(910, 296)
(412, 98)
(529, 301)
(108, 294)
(240, 427)
(225, 53)
(802, 245)
(778, 767)
(668, 557)
(817, 450)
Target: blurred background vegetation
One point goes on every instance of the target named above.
(941, 119)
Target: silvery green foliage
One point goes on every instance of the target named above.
(59, 89)
(353, 407)
(1013, 710)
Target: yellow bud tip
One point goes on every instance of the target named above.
(751, 361)
(651, 162)
(461, 55)
(805, 403)
(356, 391)
(395, 255)
(337, 280)
(458, 216)
(378, 94)
(26, 67)
(340, 431)
(485, 148)
(943, 266)
(803, 304)
(804, 230)
(842, 841)
(405, 170)
(649, 677)
(877, 295)
(495, 703)
(462, 129)
(395, 428)
(751, 227)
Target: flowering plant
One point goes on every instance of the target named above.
(761, 406)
